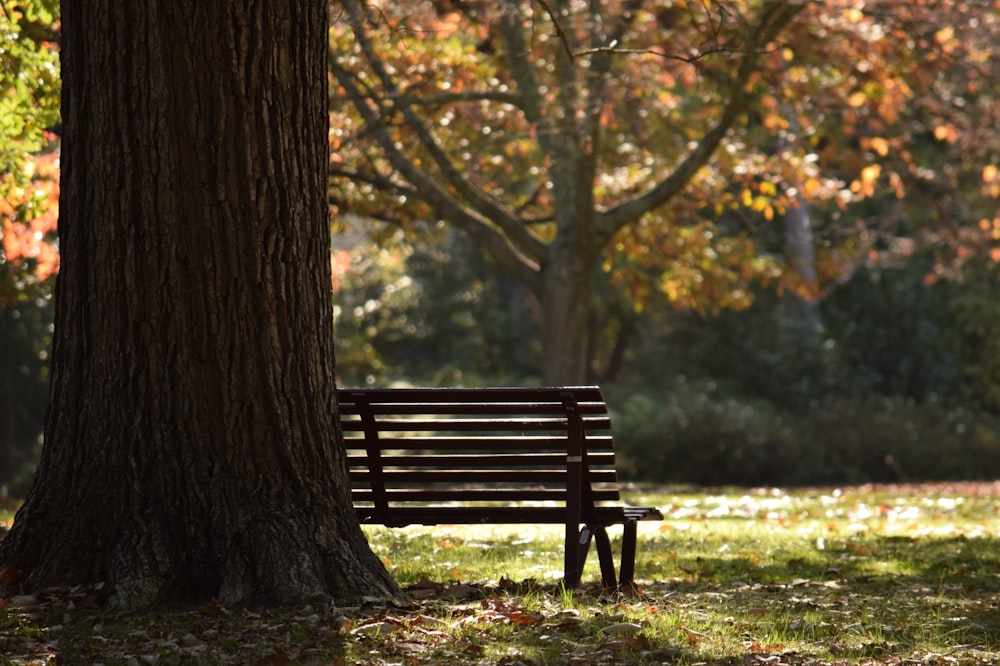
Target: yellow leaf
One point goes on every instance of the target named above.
(944, 35)
(865, 185)
(946, 133)
(871, 173)
(989, 172)
(854, 15)
(773, 121)
(857, 99)
(880, 146)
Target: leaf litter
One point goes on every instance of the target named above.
(902, 576)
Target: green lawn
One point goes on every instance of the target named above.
(907, 575)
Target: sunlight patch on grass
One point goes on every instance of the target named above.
(821, 577)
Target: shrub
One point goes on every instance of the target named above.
(693, 432)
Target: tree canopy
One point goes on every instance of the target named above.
(29, 115)
(652, 144)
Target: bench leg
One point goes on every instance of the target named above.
(577, 547)
(628, 555)
(603, 543)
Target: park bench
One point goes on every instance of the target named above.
(433, 456)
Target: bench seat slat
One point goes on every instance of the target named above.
(490, 394)
(481, 460)
(501, 443)
(361, 495)
(480, 408)
(465, 515)
(393, 476)
(473, 425)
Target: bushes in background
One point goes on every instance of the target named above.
(25, 337)
(901, 384)
(688, 432)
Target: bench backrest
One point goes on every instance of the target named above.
(421, 447)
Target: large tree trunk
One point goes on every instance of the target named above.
(192, 446)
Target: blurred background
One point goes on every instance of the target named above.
(784, 225)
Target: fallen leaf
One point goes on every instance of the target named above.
(429, 622)
(622, 629)
(626, 643)
(525, 618)
(12, 576)
(376, 629)
(24, 601)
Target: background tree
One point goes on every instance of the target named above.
(589, 150)
(534, 141)
(191, 447)
(434, 312)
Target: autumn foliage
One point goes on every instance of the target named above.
(29, 162)
(28, 217)
(666, 147)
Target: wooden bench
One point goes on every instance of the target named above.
(432, 456)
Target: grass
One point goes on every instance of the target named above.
(892, 575)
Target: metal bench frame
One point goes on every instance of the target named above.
(432, 456)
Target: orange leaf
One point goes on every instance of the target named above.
(871, 173)
(11, 576)
(525, 618)
(880, 146)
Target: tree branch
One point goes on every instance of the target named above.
(451, 98)
(529, 245)
(524, 268)
(597, 76)
(376, 180)
(523, 74)
(773, 17)
(558, 26)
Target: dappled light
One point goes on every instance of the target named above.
(838, 576)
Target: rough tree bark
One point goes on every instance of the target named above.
(192, 446)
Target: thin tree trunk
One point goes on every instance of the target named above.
(799, 247)
(567, 298)
(192, 446)
(799, 243)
